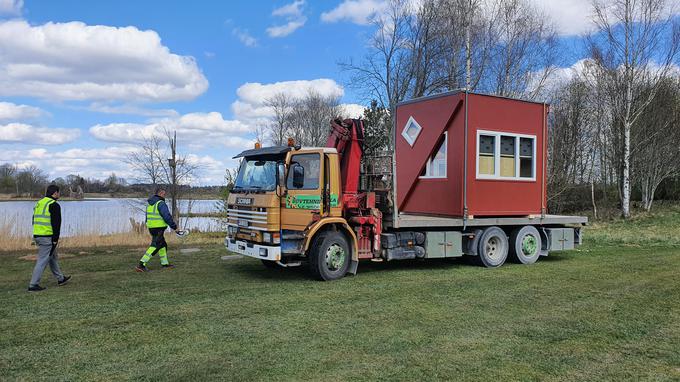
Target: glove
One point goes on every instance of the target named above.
(181, 233)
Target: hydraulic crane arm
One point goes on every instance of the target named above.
(347, 137)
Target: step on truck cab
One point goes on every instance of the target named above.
(466, 177)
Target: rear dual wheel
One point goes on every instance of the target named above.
(492, 248)
(526, 245)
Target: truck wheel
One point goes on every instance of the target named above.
(329, 256)
(492, 249)
(525, 245)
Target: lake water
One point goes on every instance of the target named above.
(101, 216)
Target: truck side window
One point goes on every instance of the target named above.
(311, 164)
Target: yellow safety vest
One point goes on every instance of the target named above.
(42, 221)
(153, 217)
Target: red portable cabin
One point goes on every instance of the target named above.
(467, 154)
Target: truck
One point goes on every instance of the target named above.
(465, 176)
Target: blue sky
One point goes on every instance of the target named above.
(82, 82)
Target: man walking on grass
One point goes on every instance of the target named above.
(158, 218)
(46, 230)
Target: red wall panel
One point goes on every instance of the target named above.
(485, 197)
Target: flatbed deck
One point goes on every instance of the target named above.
(425, 221)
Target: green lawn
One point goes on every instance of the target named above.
(610, 311)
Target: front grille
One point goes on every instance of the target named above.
(250, 218)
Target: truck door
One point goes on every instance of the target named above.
(304, 183)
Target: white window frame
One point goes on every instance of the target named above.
(497, 156)
(428, 166)
(406, 136)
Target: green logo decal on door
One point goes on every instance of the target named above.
(308, 202)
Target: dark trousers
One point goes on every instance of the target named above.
(157, 239)
(157, 246)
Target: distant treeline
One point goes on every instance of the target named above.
(32, 181)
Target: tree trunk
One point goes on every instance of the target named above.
(592, 198)
(625, 176)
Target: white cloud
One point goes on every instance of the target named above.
(101, 162)
(75, 61)
(131, 110)
(13, 112)
(352, 110)
(197, 130)
(11, 7)
(29, 134)
(294, 17)
(356, 11)
(286, 29)
(571, 18)
(250, 106)
(293, 9)
(245, 37)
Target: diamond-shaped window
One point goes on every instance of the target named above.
(411, 131)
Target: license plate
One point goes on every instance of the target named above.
(244, 201)
(242, 223)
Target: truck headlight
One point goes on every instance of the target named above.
(231, 230)
(264, 252)
(267, 237)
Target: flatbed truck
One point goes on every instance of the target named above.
(324, 207)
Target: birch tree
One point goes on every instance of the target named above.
(635, 43)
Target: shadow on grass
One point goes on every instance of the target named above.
(555, 258)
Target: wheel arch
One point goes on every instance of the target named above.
(340, 225)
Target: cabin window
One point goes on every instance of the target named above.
(487, 155)
(436, 164)
(506, 156)
(411, 131)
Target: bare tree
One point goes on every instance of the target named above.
(145, 161)
(160, 163)
(656, 154)
(384, 73)
(177, 171)
(7, 177)
(309, 118)
(31, 180)
(523, 50)
(632, 35)
(281, 105)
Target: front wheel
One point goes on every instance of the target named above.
(329, 256)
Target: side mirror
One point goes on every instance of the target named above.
(298, 176)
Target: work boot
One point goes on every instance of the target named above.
(35, 288)
(168, 266)
(142, 268)
(64, 280)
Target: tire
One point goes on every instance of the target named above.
(525, 245)
(329, 256)
(492, 249)
(271, 264)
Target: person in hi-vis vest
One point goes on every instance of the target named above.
(158, 218)
(46, 231)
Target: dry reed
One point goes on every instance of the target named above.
(138, 236)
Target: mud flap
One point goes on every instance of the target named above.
(353, 265)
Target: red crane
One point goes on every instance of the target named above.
(347, 137)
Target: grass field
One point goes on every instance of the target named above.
(609, 311)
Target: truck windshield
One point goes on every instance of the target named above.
(256, 175)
